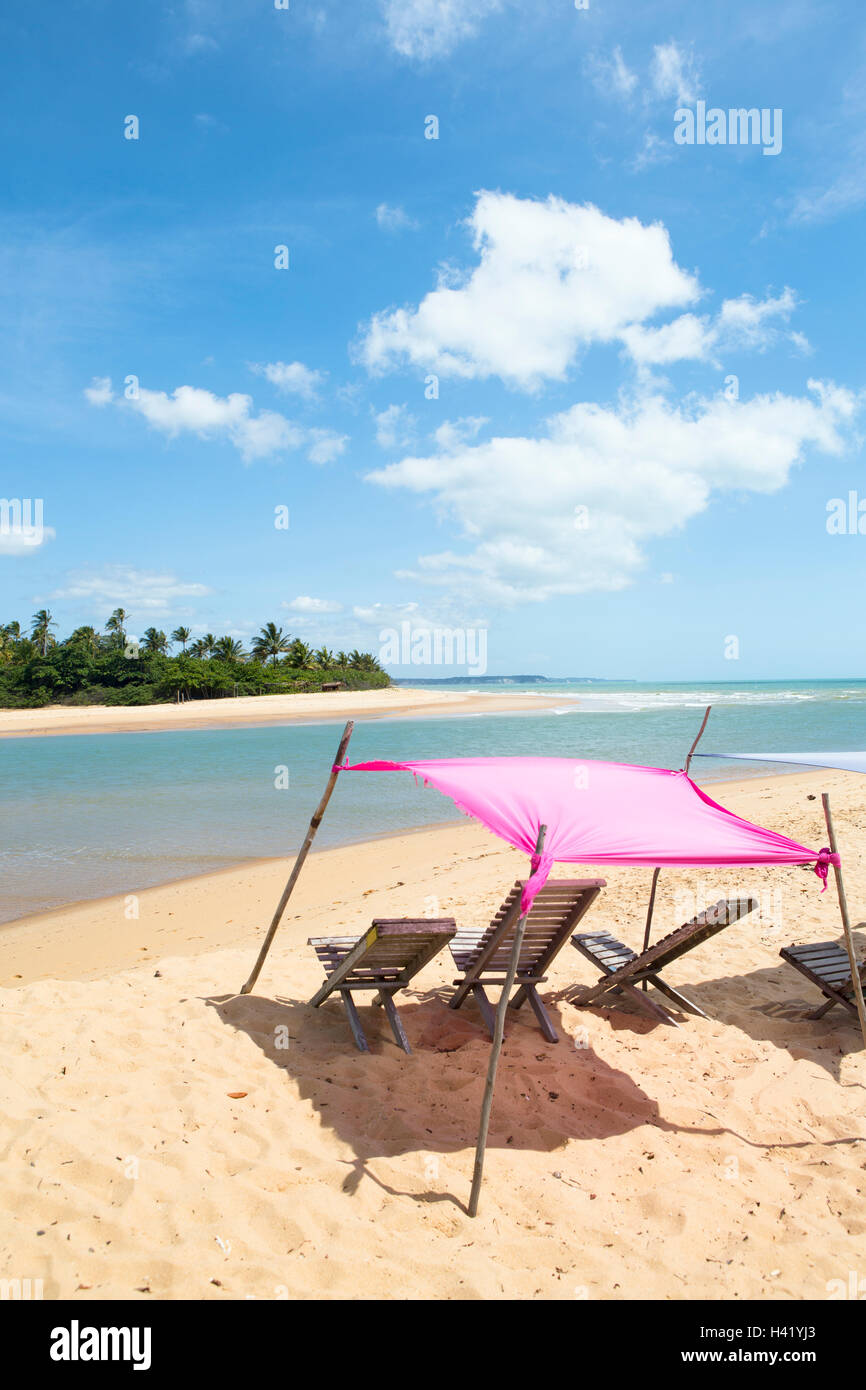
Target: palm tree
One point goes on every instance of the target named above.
(271, 642)
(300, 654)
(324, 658)
(182, 635)
(117, 624)
(229, 649)
(41, 630)
(85, 637)
(342, 661)
(154, 640)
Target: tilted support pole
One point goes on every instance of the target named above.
(299, 862)
(846, 923)
(498, 1034)
(697, 740)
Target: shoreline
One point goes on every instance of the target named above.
(389, 702)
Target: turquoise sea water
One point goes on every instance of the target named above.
(91, 815)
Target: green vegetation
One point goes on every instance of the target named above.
(107, 668)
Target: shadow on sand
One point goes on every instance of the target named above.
(385, 1103)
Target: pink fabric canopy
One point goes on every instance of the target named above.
(601, 813)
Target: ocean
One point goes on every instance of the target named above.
(87, 816)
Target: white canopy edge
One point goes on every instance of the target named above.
(846, 762)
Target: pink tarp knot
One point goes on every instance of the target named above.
(541, 866)
(822, 864)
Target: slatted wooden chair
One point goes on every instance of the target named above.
(624, 969)
(384, 959)
(483, 955)
(827, 966)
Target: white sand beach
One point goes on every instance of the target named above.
(391, 702)
(159, 1142)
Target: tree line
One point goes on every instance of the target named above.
(107, 666)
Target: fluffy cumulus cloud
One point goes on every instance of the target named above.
(426, 29)
(291, 377)
(192, 410)
(143, 591)
(572, 511)
(552, 278)
(741, 324)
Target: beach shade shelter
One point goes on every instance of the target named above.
(570, 810)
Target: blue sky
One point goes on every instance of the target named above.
(590, 486)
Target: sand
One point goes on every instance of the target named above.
(391, 702)
(166, 1138)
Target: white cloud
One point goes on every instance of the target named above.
(325, 445)
(675, 74)
(394, 219)
(744, 323)
(305, 604)
(189, 409)
(572, 511)
(428, 29)
(395, 427)
(99, 392)
(451, 434)
(143, 591)
(613, 74)
(553, 277)
(747, 322)
(192, 410)
(291, 377)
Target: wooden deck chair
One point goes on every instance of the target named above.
(624, 969)
(483, 955)
(384, 959)
(827, 966)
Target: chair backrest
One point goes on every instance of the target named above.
(395, 948)
(555, 912)
(699, 929)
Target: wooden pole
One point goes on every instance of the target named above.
(498, 1033)
(649, 915)
(299, 862)
(846, 923)
(698, 739)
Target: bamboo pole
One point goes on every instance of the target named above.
(649, 915)
(299, 862)
(498, 1033)
(846, 923)
(698, 739)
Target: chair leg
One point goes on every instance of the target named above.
(486, 1008)
(354, 1021)
(642, 999)
(822, 1009)
(541, 1013)
(836, 997)
(650, 1005)
(396, 1024)
(677, 998)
